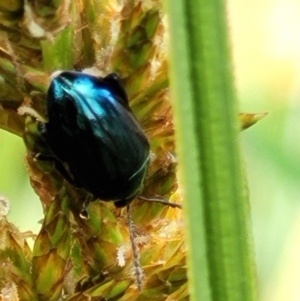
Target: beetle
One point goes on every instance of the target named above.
(94, 138)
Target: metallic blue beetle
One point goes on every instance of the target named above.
(94, 138)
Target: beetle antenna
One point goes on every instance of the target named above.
(135, 252)
(161, 201)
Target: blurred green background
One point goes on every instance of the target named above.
(25, 207)
(266, 58)
(266, 54)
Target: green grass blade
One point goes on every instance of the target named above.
(215, 200)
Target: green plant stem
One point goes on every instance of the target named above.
(216, 206)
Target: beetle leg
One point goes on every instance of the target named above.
(41, 127)
(161, 201)
(84, 213)
(124, 202)
(58, 166)
(136, 256)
